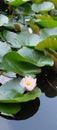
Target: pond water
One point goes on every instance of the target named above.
(40, 114)
(44, 119)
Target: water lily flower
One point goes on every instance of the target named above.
(28, 83)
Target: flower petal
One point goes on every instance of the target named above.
(28, 83)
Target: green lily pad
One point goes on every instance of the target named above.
(14, 62)
(4, 48)
(44, 6)
(46, 21)
(3, 19)
(49, 39)
(35, 57)
(15, 2)
(27, 39)
(12, 39)
(9, 74)
(12, 92)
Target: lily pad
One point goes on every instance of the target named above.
(14, 62)
(35, 57)
(27, 39)
(44, 6)
(49, 39)
(3, 19)
(15, 2)
(12, 92)
(4, 48)
(12, 39)
(46, 21)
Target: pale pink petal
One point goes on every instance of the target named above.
(28, 83)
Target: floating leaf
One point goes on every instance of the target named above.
(27, 39)
(12, 38)
(44, 6)
(46, 21)
(36, 1)
(16, 2)
(16, 63)
(9, 74)
(49, 39)
(34, 57)
(4, 48)
(12, 92)
(55, 2)
(13, 87)
(47, 43)
(10, 25)
(3, 19)
(30, 95)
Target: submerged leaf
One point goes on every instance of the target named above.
(9, 109)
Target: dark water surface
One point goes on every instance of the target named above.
(44, 119)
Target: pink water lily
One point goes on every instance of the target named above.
(28, 83)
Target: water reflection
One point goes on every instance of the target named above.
(47, 81)
(45, 118)
(28, 109)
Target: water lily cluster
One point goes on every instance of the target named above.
(28, 43)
